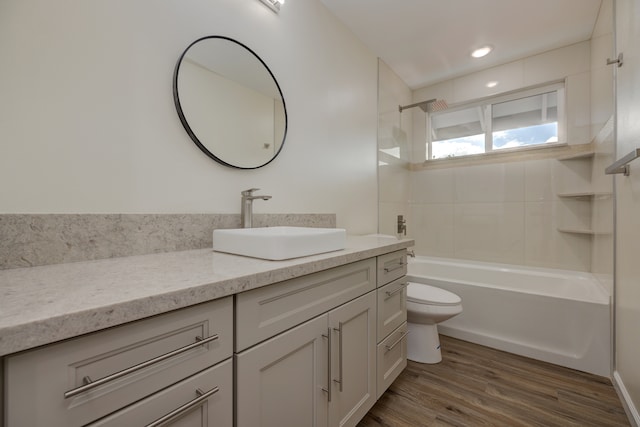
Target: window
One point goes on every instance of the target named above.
(519, 120)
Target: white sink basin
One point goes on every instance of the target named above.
(278, 243)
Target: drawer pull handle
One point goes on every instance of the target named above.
(397, 267)
(202, 396)
(328, 389)
(390, 347)
(395, 291)
(88, 384)
(339, 330)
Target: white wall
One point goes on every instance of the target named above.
(627, 267)
(87, 121)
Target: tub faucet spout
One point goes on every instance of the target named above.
(246, 208)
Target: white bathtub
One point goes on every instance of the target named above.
(557, 316)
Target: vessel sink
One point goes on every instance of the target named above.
(278, 243)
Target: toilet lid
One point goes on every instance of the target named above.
(426, 294)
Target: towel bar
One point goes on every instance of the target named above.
(622, 165)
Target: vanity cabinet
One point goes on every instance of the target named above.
(150, 364)
(315, 350)
(391, 356)
(321, 372)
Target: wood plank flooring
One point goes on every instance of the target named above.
(480, 386)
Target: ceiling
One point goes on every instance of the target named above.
(428, 41)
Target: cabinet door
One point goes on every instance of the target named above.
(353, 367)
(280, 381)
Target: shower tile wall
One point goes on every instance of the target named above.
(508, 213)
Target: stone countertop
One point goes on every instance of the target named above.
(42, 305)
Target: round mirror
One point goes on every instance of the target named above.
(230, 103)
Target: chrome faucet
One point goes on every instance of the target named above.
(402, 225)
(246, 210)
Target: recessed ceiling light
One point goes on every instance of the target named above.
(491, 84)
(482, 51)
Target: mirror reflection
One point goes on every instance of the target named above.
(230, 103)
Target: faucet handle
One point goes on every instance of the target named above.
(249, 192)
(402, 225)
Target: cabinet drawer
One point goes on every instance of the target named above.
(43, 378)
(185, 402)
(392, 358)
(391, 266)
(264, 312)
(392, 307)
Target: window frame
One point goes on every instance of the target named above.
(486, 104)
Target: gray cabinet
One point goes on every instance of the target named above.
(280, 381)
(353, 366)
(316, 350)
(76, 382)
(264, 312)
(321, 372)
(391, 356)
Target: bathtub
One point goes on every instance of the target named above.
(558, 316)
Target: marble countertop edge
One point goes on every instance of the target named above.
(142, 286)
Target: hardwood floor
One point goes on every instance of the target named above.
(480, 386)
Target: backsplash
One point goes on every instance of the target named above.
(30, 240)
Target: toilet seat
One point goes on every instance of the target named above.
(421, 293)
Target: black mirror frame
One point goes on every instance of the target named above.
(185, 123)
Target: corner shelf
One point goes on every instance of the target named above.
(582, 231)
(585, 194)
(578, 156)
(583, 198)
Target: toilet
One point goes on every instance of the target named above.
(426, 307)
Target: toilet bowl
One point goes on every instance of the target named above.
(426, 307)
